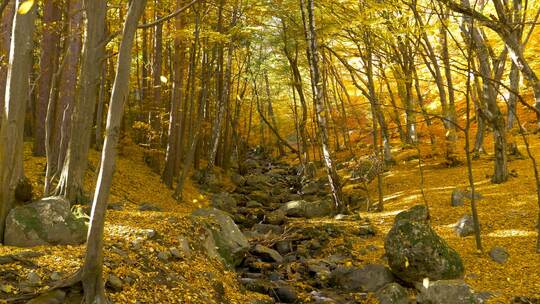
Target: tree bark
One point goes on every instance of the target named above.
(313, 56)
(50, 51)
(93, 263)
(16, 99)
(71, 180)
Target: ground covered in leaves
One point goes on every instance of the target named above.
(136, 240)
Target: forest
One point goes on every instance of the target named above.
(270, 151)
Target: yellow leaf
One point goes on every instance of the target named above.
(406, 262)
(163, 79)
(25, 7)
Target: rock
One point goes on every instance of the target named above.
(283, 247)
(312, 188)
(149, 234)
(306, 209)
(56, 276)
(260, 196)
(318, 269)
(277, 217)
(267, 228)
(114, 282)
(253, 204)
(164, 256)
(224, 201)
(48, 221)
(499, 255)
(183, 246)
(149, 207)
(465, 226)
(415, 251)
(285, 294)
(238, 180)
(231, 244)
(368, 279)
(525, 300)
(483, 296)
(392, 293)
(446, 292)
(33, 279)
(23, 191)
(267, 254)
(458, 198)
(366, 230)
(258, 181)
(56, 296)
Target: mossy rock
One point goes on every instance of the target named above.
(48, 221)
(415, 251)
(229, 241)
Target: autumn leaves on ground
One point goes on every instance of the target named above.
(507, 214)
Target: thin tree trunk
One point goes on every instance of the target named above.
(333, 178)
(92, 272)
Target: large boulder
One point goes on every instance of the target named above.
(416, 252)
(48, 221)
(306, 209)
(231, 244)
(446, 292)
(368, 279)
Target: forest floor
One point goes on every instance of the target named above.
(508, 214)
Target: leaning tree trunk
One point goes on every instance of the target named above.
(333, 178)
(12, 128)
(93, 263)
(71, 180)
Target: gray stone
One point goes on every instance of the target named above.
(238, 180)
(231, 244)
(183, 246)
(499, 255)
(253, 204)
(285, 294)
(56, 276)
(149, 207)
(392, 293)
(267, 254)
(446, 292)
(56, 296)
(33, 279)
(115, 282)
(224, 201)
(306, 209)
(415, 251)
(23, 191)
(277, 217)
(165, 256)
(458, 198)
(465, 226)
(267, 228)
(368, 279)
(48, 221)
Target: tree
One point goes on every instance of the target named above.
(17, 88)
(50, 53)
(93, 263)
(70, 184)
(313, 56)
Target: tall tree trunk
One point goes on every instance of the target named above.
(333, 178)
(6, 23)
(71, 180)
(171, 169)
(50, 51)
(16, 99)
(92, 272)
